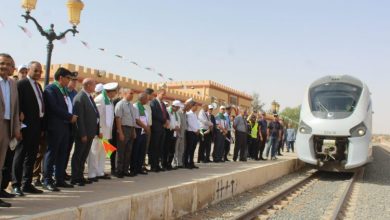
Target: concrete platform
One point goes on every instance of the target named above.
(164, 195)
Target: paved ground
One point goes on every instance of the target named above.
(106, 189)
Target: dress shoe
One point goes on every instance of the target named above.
(63, 184)
(31, 189)
(142, 173)
(5, 194)
(17, 191)
(77, 182)
(104, 177)
(95, 179)
(5, 204)
(37, 183)
(156, 170)
(180, 167)
(86, 181)
(67, 177)
(51, 187)
(188, 167)
(194, 167)
(161, 169)
(227, 160)
(119, 175)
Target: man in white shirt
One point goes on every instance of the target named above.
(181, 135)
(32, 106)
(9, 110)
(142, 130)
(192, 134)
(148, 112)
(97, 154)
(206, 127)
(171, 135)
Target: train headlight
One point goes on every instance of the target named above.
(359, 130)
(304, 128)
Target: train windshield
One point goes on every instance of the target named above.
(334, 100)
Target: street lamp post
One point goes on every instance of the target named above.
(74, 11)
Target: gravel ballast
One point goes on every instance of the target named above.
(374, 191)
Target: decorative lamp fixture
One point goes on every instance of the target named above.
(273, 106)
(29, 5)
(74, 11)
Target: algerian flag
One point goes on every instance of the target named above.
(109, 109)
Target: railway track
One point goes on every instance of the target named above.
(338, 209)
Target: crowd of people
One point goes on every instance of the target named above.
(40, 128)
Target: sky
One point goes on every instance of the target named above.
(275, 48)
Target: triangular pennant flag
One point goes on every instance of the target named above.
(119, 56)
(134, 63)
(26, 31)
(85, 44)
(63, 40)
(102, 49)
(170, 79)
(149, 68)
(109, 148)
(161, 75)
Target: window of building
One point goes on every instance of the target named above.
(233, 100)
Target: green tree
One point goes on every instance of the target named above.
(257, 105)
(291, 115)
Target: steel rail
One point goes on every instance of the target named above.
(346, 194)
(268, 203)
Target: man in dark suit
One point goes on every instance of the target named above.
(87, 127)
(58, 115)
(160, 118)
(9, 110)
(31, 105)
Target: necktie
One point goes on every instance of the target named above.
(94, 106)
(40, 97)
(164, 111)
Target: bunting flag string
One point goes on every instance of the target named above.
(63, 40)
(119, 56)
(25, 30)
(85, 44)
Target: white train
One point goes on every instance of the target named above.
(335, 127)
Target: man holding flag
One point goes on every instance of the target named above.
(97, 155)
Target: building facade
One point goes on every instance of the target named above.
(205, 91)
